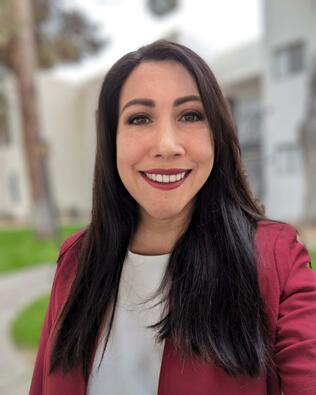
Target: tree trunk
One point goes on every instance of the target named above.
(43, 212)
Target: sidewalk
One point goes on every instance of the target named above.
(16, 291)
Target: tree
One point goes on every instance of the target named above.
(60, 35)
(56, 36)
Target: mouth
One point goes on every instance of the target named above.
(166, 178)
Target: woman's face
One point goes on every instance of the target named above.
(164, 145)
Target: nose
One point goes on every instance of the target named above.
(167, 142)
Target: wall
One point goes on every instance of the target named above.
(285, 99)
(15, 200)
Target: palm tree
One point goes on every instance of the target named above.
(36, 33)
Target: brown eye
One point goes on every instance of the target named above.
(192, 116)
(138, 120)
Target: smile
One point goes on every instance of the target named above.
(165, 179)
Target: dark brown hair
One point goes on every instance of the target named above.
(214, 308)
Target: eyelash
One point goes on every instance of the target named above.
(131, 120)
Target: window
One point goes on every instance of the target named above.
(4, 125)
(248, 117)
(288, 158)
(252, 161)
(162, 7)
(14, 188)
(289, 59)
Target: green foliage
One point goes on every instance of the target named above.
(60, 35)
(63, 36)
(20, 248)
(26, 328)
(5, 26)
(313, 255)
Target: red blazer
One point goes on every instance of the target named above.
(287, 284)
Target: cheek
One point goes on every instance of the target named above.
(125, 151)
(129, 152)
(202, 150)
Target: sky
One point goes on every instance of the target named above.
(210, 27)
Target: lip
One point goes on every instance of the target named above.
(165, 171)
(162, 186)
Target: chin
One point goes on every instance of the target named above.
(165, 213)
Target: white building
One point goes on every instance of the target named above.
(267, 83)
(290, 55)
(269, 86)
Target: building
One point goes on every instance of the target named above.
(290, 55)
(268, 84)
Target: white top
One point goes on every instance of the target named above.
(132, 359)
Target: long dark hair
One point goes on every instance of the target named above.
(215, 310)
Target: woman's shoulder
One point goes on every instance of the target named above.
(271, 229)
(277, 237)
(67, 264)
(272, 234)
(280, 248)
(67, 261)
(70, 242)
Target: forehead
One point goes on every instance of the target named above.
(153, 79)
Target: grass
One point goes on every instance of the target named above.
(26, 328)
(20, 248)
(313, 255)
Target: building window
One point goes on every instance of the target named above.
(4, 124)
(289, 60)
(162, 7)
(14, 188)
(288, 158)
(247, 113)
(252, 161)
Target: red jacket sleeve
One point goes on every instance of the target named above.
(295, 349)
(58, 294)
(39, 368)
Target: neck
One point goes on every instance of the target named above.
(158, 236)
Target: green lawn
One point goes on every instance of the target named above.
(19, 248)
(26, 328)
(313, 254)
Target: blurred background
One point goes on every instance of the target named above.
(54, 55)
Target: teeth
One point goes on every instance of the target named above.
(164, 178)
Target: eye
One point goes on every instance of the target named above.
(192, 116)
(138, 120)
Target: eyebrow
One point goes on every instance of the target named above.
(151, 103)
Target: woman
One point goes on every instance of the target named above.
(179, 285)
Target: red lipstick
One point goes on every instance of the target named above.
(165, 171)
(162, 185)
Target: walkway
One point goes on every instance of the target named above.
(16, 291)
